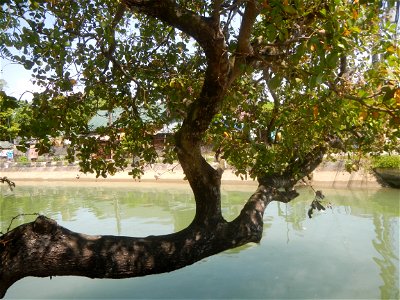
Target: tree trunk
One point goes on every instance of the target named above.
(43, 248)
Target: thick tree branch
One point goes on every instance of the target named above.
(298, 168)
(216, 11)
(167, 11)
(56, 251)
(246, 27)
(244, 48)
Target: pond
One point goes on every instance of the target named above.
(349, 251)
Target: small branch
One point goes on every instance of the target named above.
(343, 68)
(233, 10)
(216, 10)
(361, 100)
(291, 41)
(233, 7)
(274, 114)
(118, 15)
(159, 174)
(20, 215)
(111, 48)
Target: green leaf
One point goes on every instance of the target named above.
(271, 32)
(275, 82)
(332, 59)
(389, 94)
(290, 9)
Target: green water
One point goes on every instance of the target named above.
(350, 251)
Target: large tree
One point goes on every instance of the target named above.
(273, 86)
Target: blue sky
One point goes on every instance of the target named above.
(18, 80)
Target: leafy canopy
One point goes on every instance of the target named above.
(13, 113)
(317, 71)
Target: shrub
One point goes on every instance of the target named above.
(22, 159)
(387, 161)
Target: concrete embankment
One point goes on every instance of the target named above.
(328, 174)
(333, 174)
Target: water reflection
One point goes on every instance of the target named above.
(382, 206)
(121, 206)
(349, 251)
(386, 244)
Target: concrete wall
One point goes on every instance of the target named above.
(333, 174)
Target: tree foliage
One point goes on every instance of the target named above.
(301, 72)
(9, 122)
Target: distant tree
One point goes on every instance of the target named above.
(3, 84)
(272, 85)
(9, 128)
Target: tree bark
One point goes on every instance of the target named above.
(43, 248)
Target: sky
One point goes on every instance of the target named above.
(18, 80)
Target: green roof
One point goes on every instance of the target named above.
(104, 118)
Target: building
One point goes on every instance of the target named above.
(104, 118)
(6, 150)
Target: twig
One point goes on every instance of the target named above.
(10, 183)
(158, 175)
(16, 217)
(361, 100)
